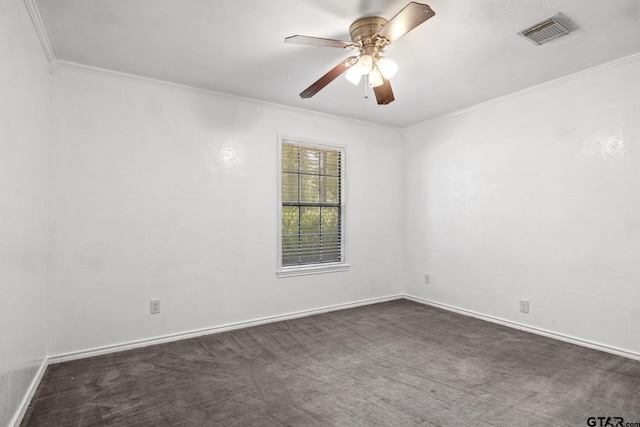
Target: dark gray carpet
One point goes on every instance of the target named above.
(391, 364)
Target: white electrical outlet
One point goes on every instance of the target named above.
(427, 278)
(524, 306)
(154, 306)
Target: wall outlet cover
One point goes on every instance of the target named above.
(154, 306)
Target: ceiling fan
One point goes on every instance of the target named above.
(369, 37)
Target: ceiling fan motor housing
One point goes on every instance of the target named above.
(363, 29)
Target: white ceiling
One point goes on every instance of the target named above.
(467, 54)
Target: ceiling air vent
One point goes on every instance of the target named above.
(549, 29)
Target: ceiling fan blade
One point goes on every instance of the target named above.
(406, 20)
(384, 93)
(317, 41)
(329, 77)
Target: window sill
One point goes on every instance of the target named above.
(316, 269)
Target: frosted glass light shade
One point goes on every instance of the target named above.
(354, 74)
(365, 63)
(375, 78)
(387, 67)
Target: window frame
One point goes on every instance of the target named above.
(329, 267)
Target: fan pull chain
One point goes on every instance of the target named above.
(366, 86)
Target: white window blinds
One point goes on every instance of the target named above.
(312, 204)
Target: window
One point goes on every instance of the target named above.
(311, 208)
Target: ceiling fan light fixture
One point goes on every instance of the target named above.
(375, 78)
(387, 67)
(370, 35)
(354, 74)
(365, 63)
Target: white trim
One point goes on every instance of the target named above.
(542, 86)
(65, 357)
(54, 63)
(74, 66)
(312, 268)
(41, 30)
(31, 391)
(67, 65)
(316, 143)
(97, 351)
(532, 329)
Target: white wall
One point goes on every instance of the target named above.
(156, 192)
(534, 197)
(165, 193)
(24, 125)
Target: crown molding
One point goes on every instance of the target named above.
(55, 63)
(41, 30)
(204, 92)
(105, 72)
(575, 76)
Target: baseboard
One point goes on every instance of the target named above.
(24, 405)
(527, 328)
(31, 391)
(65, 357)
